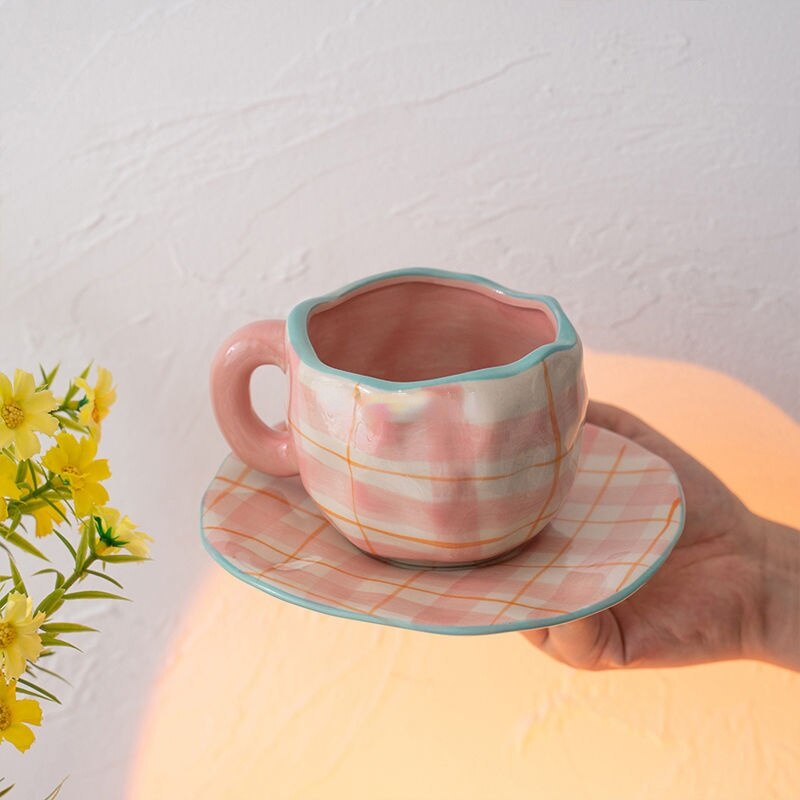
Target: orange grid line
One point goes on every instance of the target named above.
(313, 535)
(556, 472)
(350, 435)
(392, 534)
(641, 558)
(225, 492)
(440, 478)
(430, 542)
(373, 579)
(274, 496)
(400, 587)
(571, 539)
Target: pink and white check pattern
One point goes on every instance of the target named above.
(622, 515)
(449, 473)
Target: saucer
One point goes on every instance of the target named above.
(616, 527)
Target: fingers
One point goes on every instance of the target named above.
(592, 643)
(537, 637)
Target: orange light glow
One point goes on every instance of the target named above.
(264, 699)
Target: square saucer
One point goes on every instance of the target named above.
(616, 527)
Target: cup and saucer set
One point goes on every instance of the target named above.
(435, 471)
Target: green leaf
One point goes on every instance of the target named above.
(5, 791)
(66, 422)
(59, 576)
(22, 468)
(48, 640)
(19, 584)
(33, 475)
(66, 543)
(49, 377)
(121, 558)
(42, 692)
(33, 669)
(56, 509)
(83, 548)
(91, 595)
(104, 577)
(66, 627)
(24, 544)
(73, 387)
(54, 794)
(52, 602)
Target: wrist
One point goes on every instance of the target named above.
(775, 635)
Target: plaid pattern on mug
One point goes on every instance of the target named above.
(460, 471)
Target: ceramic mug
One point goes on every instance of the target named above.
(435, 418)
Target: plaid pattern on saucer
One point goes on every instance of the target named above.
(618, 523)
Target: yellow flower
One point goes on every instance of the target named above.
(23, 411)
(19, 639)
(115, 532)
(16, 715)
(47, 517)
(99, 400)
(74, 461)
(8, 484)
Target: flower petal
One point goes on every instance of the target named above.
(98, 493)
(14, 664)
(98, 470)
(69, 444)
(24, 384)
(26, 442)
(40, 402)
(31, 646)
(9, 488)
(17, 608)
(88, 450)
(6, 435)
(44, 422)
(55, 459)
(5, 389)
(28, 711)
(19, 735)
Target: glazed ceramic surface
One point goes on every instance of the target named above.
(434, 417)
(618, 523)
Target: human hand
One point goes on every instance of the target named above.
(729, 589)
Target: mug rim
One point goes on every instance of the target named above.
(297, 331)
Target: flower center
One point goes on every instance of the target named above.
(7, 634)
(71, 471)
(5, 716)
(12, 415)
(96, 415)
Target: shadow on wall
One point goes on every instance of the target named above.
(264, 699)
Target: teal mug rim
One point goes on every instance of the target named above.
(297, 332)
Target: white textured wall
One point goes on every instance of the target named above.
(169, 171)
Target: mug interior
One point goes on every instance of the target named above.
(414, 329)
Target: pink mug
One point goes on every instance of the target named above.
(434, 417)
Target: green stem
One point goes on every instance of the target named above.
(79, 573)
(47, 485)
(33, 506)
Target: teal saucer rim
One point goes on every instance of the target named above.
(449, 630)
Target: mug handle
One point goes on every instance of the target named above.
(257, 444)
